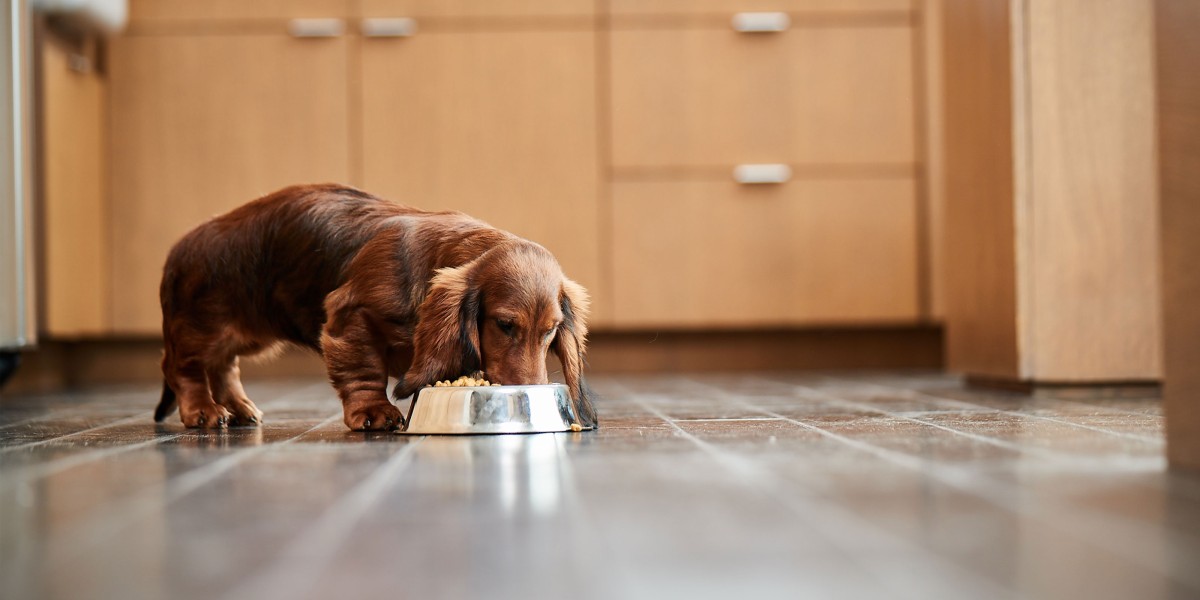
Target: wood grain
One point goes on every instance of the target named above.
(678, 7)
(476, 8)
(76, 288)
(980, 255)
(1178, 95)
(1094, 304)
(701, 97)
(201, 124)
(1050, 191)
(499, 125)
(162, 11)
(931, 109)
(717, 254)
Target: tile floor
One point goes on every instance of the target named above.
(764, 486)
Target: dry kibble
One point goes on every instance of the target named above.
(465, 381)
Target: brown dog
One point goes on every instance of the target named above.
(377, 288)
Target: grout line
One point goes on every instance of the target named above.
(104, 528)
(1018, 448)
(64, 413)
(190, 481)
(734, 420)
(299, 566)
(52, 412)
(617, 573)
(124, 421)
(55, 467)
(816, 394)
(835, 523)
(952, 401)
(1073, 520)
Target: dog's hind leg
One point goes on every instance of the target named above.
(225, 381)
(184, 371)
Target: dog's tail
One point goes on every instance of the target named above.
(167, 405)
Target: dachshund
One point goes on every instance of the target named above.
(378, 289)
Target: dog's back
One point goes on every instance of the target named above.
(267, 266)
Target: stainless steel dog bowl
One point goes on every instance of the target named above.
(491, 410)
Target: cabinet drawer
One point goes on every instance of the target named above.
(477, 8)
(712, 253)
(156, 11)
(708, 7)
(714, 97)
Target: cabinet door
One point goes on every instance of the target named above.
(75, 285)
(499, 125)
(808, 252)
(203, 123)
(823, 96)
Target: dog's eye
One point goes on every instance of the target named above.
(506, 326)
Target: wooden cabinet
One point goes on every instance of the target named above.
(498, 124)
(75, 248)
(1052, 256)
(713, 253)
(821, 96)
(830, 98)
(608, 132)
(202, 123)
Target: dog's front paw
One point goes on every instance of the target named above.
(374, 417)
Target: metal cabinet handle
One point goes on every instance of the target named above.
(761, 22)
(762, 174)
(316, 28)
(394, 27)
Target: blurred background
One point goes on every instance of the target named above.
(741, 185)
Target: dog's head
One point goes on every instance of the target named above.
(502, 313)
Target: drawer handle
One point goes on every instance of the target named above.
(316, 28)
(761, 22)
(398, 27)
(762, 174)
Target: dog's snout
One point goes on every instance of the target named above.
(522, 373)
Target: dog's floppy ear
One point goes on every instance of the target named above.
(446, 338)
(570, 345)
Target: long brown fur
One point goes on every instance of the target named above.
(379, 289)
